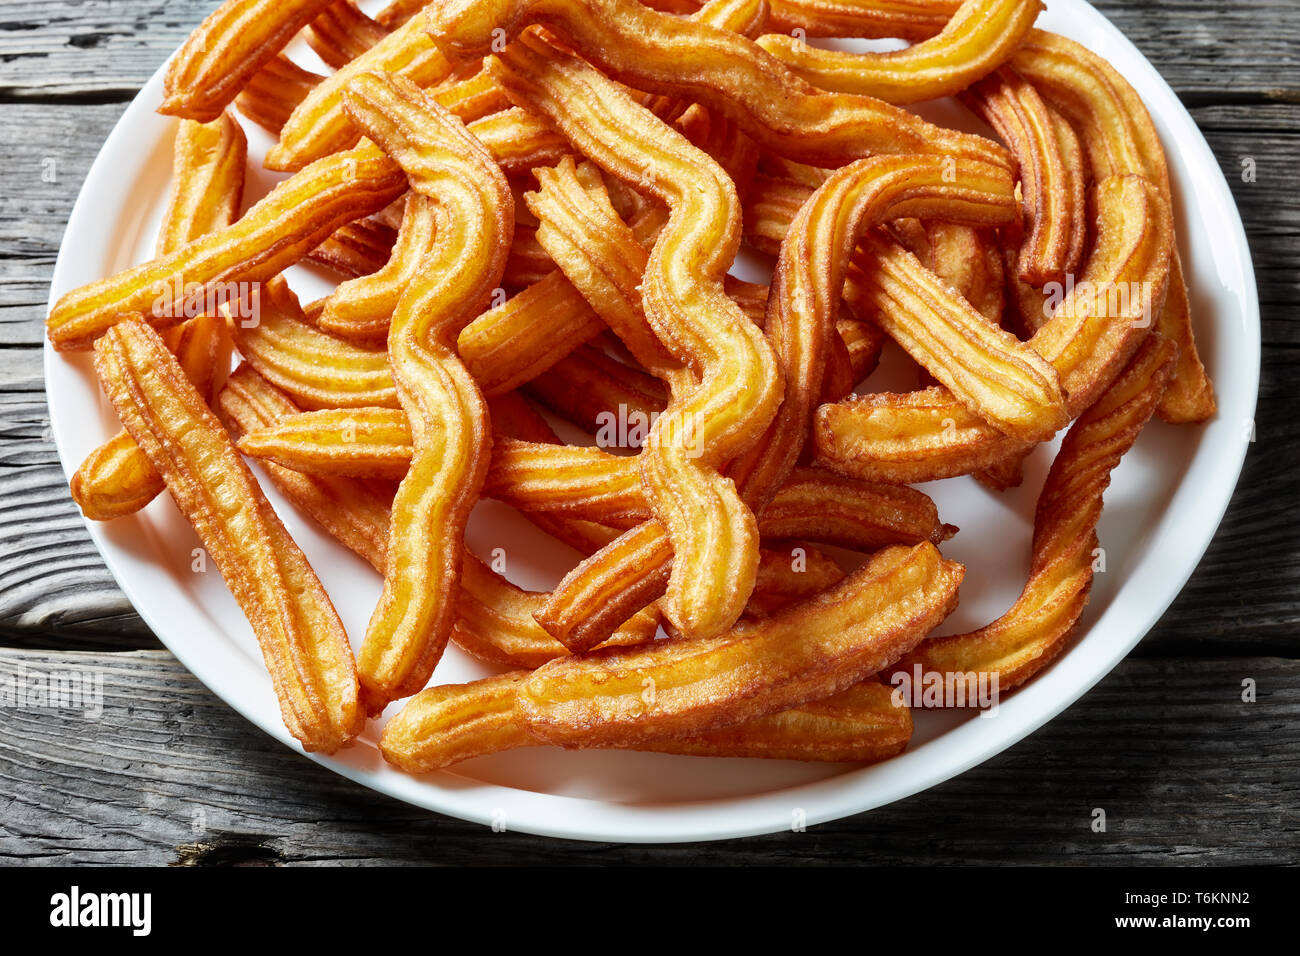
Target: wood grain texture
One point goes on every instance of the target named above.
(168, 773)
(1185, 771)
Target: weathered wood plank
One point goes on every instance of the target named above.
(1182, 767)
(101, 50)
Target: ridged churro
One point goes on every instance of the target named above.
(713, 533)
(227, 49)
(116, 478)
(1035, 630)
(447, 724)
(303, 642)
(319, 125)
(980, 37)
(474, 216)
(1118, 138)
(291, 220)
(724, 71)
(806, 652)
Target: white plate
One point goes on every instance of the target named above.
(1166, 500)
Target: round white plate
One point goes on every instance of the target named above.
(1166, 500)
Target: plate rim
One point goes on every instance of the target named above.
(589, 819)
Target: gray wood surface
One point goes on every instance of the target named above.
(1186, 772)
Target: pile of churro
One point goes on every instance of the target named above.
(532, 209)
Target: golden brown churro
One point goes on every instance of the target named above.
(713, 533)
(1118, 138)
(303, 642)
(724, 71)
(980, 37)
(474, 216)
(293, 218)
(116, 478)
(445, 725)
(806, 652)
(1035, 630)
(319, 125)
(227, 49)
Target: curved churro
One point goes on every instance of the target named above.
(909, 19)
(1053, 190)
(226, 49)
(979, 38)
(713, 533)
(303, 642)
(806, 652)
(494, 619)
(970, 260)
(1092, 333)
(360, 308)
(116, 478)
(292, 219)
(341, 33)
(445, 725)
(1036, 628)
(800, 326)
(1118, 138)
(810, 272)
(474, 216)
(957, 254)
(319, 125)
(723, 71)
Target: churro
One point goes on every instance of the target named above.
(980, 37)
(474, 216)
(303, 642)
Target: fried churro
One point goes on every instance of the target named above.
(713, 533)
(116, 478)
(1036, 629)
(292, 219)
(474, 216)
(722, 70)
(303, 642)
(445, 725)
(980, 37)
(227, 49)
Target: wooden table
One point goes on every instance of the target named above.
(1186, 771)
